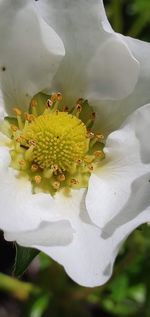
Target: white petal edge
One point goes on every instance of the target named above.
(98, 63)
(111, 186)
(57, 230)
(89, 258)
(48, 234)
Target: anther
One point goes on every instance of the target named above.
(17, 111)
(53, 97)
(90, 167)
(78, 107)
(13, 128)
(74, 181)
(99, 136)
(22, 164)
(90, 135)
(79, 161)
(18, 139)
(56, 185)
(19, 119)
(31, 142)
(99, 154)
(34, 167)
(49, 103)
(61, 177)
(54, 167)
(29, 117)
(77, 110)
(38, 179)
(59, 96)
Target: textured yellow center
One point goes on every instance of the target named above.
(58, 139)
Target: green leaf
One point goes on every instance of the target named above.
(24, 257)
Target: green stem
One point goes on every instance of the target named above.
(18, 289)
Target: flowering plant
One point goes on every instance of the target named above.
(65, 190)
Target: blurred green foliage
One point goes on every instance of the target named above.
(130, 17)
(45, 289)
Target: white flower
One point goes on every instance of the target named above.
(82, 231)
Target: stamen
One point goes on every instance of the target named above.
(99, 136)
(59, 96)
(91, 120)
(32, 142)
(49, 103)
(17, 112)
(77, 110)
(37, 179)
(90, 135)
(55, 100)
(61, 177)
(54, 167)
(18, 115)
(74, 181)
(34, 105)
(99, 154)
(91, 167)
(13, 127)
(55, 149)
(53, 97)
(22, 164)
(56, 185)
(34, 167)
(29, 117)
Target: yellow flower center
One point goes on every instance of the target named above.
(53, 145)
(59, 138)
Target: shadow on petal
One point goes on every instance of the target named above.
(139, 200)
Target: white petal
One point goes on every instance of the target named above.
(111, 114)
(23, 211)
(47, 234)
(30, 52)
(85, 259)
(110, 188)
(89, 258)
(57, 230)
(98, 63)
(112, 72)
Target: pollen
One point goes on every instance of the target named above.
(59, 138)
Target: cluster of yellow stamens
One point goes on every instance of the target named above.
(56, 148)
